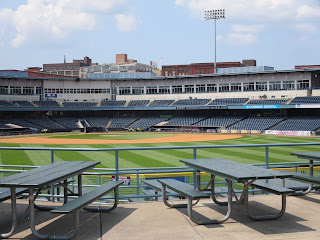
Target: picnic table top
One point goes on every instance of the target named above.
(47, 174)
(233, 170)
(308, 155)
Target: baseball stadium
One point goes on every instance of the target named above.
(137, 130)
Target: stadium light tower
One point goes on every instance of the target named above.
(215, 14)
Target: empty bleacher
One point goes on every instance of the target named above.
(147, 122)
(97, 121)
(23, 104)
(306, 100)
(219, 121)
(190, 102)
(161, 103)
(113, 103)
(45, 123)
(299, 124)
(229, 101)
(4, 103)
(256, 123)
(23, 123)
(121, 122)
(183, 121)
(47, 103)
(138, 103)
(67, 122)
(268, 102)
(80, 104)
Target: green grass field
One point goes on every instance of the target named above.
(158, 158)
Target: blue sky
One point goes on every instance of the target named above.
(278, 33)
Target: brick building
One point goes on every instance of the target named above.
(201, 68)
(67, 69)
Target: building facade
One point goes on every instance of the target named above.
(202, 68)
(67, 69)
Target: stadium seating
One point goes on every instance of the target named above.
(229, 101)
(188, 102)
(112, 103)
(122, 122)
(97, 121)
(45, 123)
(161, 103)
(80, 104)
(138, 103)
(5, 104)
(47, 103)
(219, 121)
(256, 123)
(23, 123)
(147, 122)
(23, 104)
(67, 122)
(299, 124)
(184, 121)
(268, 102)
(306, 100)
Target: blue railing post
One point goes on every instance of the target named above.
(138, 183)
(117, 164)
(52, 161)
(267, 157)
(195, 172)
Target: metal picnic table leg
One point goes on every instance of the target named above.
(213, 195)
(41, 236)
(264, 217)
(213, 221)
(13, 214)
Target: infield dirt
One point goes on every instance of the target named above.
(177, 138)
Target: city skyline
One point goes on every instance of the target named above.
(280, 34)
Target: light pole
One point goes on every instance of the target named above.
(215, 14)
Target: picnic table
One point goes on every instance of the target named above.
(311, 156)
(42, 178)
(242, 173)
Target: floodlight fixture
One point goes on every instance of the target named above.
(215, 14)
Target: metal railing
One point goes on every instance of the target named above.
(101, 173)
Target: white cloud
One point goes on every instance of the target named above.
(247, 28)
(306, 28)
(126, 22)
(306, 11)
(266, 14)
(41, 21)
(242, 38)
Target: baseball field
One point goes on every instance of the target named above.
(148, 158)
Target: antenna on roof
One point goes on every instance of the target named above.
(64, 58)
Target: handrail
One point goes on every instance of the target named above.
(117, 171)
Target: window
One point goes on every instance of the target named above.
(3, 90)
(137, 90)
(200, 88)
(261, 86)
(27, 90)
(189, 88)
(248, 86)
(274, 86)
(303, 84)
(288, 85)
(124, 90)
(164, 89)
(177, 89)
(15, 90)
(235, 87)
(151, 90)
(211, 88)
(224, 87)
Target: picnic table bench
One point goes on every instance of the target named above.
(51, 174)
(242, 173)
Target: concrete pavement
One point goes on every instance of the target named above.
(153, 220)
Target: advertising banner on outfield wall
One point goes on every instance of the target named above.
(294, 133)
